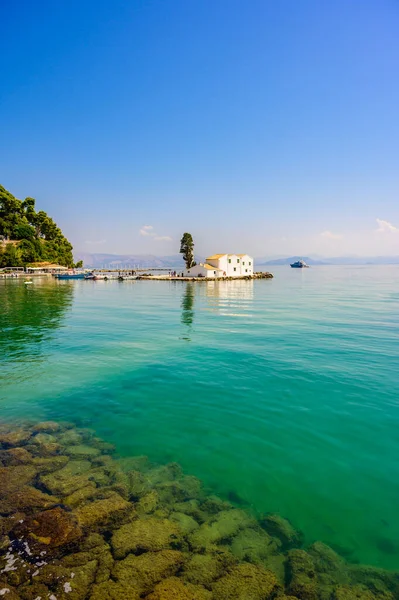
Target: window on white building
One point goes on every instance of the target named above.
(235, 269)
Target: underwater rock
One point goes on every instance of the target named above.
(67, 480)
(134, 463)
(164, 473)
(379, 581)
(174, 589)
(111, 590)
(69, 584)
(69, 438)
(222, 527)
(277, 526)
(48, 530)
(16, 437)
(50, 464)
(330, 567)
(27, 499)
(32, 590)
(192, 508)
(81, 452)
(204, 569)
(148, 503)
(276, 564)
(254, 545)
(15, 456)
(81, 496)
(100, 553)
(346, 592)
(149, 568)
(186, 523)
(8, 592)
(44, 444)
(147, 534)
(139, 486)
(213, 505)
(302, 575)
(14, 478)
(246, 582)
(46, 427)
(110, 510)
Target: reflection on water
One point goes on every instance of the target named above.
(230, 298)
(30, 314)
(187, 313)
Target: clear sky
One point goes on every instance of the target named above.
(260, 126)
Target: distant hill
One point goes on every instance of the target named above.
(291, 259)
(138, 261)
(338, 260)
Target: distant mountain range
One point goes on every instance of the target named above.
(175, 261)
(338, 260)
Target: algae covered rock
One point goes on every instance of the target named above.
(174, 589)
(106, 511)
(14, 478)
(253, 545)
(302, 575)
(204, 569)
(246, 582)
(28, 499)
(149, 568)
(15, 456)
(186, 523)
(277, 526)
(223, 526)
(148, 503)
(16, 437)
(346, 592)
(111, 590)
(46, 427)
(146, 534)
(48, 530)
(67, 480)
(81, 451)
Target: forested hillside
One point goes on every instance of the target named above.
(27, 236)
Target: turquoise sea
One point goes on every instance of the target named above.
(281, 395)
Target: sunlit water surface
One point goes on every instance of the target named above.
(282, 395)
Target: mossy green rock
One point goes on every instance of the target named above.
(254, 545)
(67, 480)
(14, 478)
(223, 526)
(145, 535)
(104, 511)
(346, 592)
(149, 568)
(277, 526)
(204, 569)
(14, 437)
(246, 582)
(186, 523)
(28, 499)
(81, 451)
(111, 590)
(174, 589)
(302, 575)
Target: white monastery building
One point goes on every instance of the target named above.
(223, 265)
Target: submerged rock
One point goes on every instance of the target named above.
(16, 437)
(174, 589)
(204, 569)
(254, 545)
(28, 499)
(46, 427)
(149, 568)
(145, 535)
(277, 526)
(302, 575)
(14, 478)
(111, 590)
(67, 480)
(110, 510)
(246, 582)
(48, 530)
(222, 527)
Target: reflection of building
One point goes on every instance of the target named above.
(223, 265)
(231, 290)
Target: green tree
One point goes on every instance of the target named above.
(23, 231)
(187, 249)
(79, 264)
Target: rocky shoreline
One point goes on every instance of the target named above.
(77, 522)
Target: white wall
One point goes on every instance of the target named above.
(200, 271)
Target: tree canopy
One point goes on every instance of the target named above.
(28, 236)
(187, 249)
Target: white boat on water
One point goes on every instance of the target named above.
(299, 264)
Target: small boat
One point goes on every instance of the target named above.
(299, 264)
(71, 276)
(100, 277)
(127, 277)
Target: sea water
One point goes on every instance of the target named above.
(281, 395)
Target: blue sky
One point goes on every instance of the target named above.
(259, 126)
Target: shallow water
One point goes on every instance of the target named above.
(281, 394)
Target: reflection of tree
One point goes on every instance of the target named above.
(187, 305)
(29, 313)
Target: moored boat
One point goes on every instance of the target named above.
(70, 276)
(299, 264)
